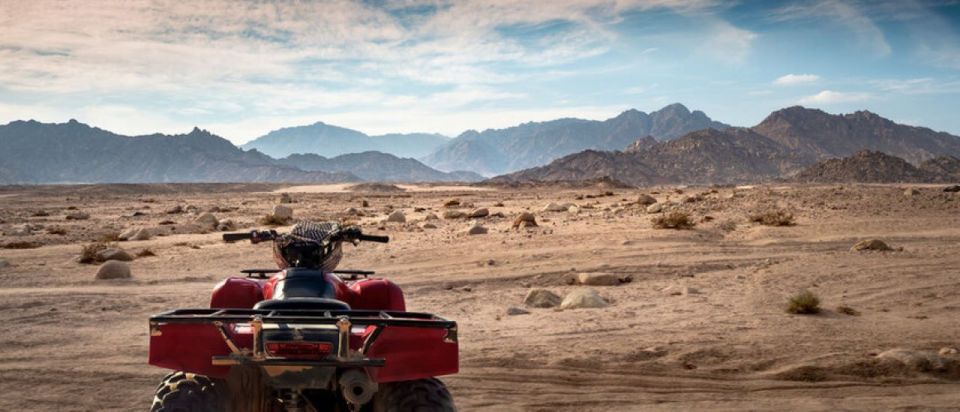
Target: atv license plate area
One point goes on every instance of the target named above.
(390, 345)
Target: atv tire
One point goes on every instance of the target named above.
(424, 395)
(187, 392)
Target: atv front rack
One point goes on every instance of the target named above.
(343, 320)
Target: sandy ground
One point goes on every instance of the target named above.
(75, 343)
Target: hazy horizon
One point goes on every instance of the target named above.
(242, 70)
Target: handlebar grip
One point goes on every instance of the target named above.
(233, 237)
(372, 238)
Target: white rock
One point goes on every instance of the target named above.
(556, 207)
(141, 234)
(583, 298)
(541, 298)
(655, 208)
(574, 209)
(113, 269)
(599, 279)
(127, 234)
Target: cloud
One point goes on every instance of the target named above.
(796, 79)
(727, 43)
(828, 97)
(923, 85)
(845, 13)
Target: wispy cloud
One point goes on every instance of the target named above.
(845, 13)
(828, 97)
(796, 79)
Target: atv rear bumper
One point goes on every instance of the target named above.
(391, 346)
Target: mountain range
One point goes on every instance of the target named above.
(877, 167)
(783, 144)
(496, 151)
(328, 140)
(32, 152)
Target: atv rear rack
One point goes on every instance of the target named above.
(343, 320)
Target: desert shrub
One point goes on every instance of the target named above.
(90, 253)
(145, 252)
(271, 220)
(804, 303)
(22, 244)
(728, 225)
(674, 220)
(773, 217)
(846, 310)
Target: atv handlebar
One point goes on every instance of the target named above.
(348, 234)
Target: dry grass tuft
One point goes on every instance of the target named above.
(673, 220)
(271, 220)
(846, 310)
(804, 303)
(90, 253)
(773, 217)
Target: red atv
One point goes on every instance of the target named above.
(308, 338)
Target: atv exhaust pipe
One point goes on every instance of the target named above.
(357, 388)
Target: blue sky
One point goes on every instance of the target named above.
(241, 69)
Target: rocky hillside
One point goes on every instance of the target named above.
(376, 166)
(782, 145)
(33, 152)
(495, 151)
(328, 140)
(865, 167)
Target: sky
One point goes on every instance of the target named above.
(241, 69)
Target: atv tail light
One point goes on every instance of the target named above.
(299, 350)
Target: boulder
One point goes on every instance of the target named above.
(397, 217)
(454, 214)
(583, 298)
(477, 229)
(871, 244)
(113, 269)
(646, 200)
(478, 213)
(282, 212)
(526, 219)
(127, 234)
(541, 298)
(207, 219)
(655, 208)
(114, 254)
(599, 279)
(174, 210)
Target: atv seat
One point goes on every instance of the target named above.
(302, 303)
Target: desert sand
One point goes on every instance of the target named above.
(701, 324)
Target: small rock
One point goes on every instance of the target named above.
(78, 215)
(871, 244)
(477, 229)
(646, 200)
(141, 234)
(431, 216)
(428, 226)
(226, 225)
(599, 279)
(4, 263)
(191, 209)
(687, 291)
(514, 311)
(526, 219)
(911, 192)
(207, 219)
(285, 198)
(20, 230)
(541, 298)
(952, 189)
(583, 298)
(282, 212)
(174, 210)
(113, 269)
(115, 254)
(923, 361)
(574, 209)
(451, 203)
(655, 208)
(351, 211)
(454, 214)
(556, 207)
(364, 203)
(397, 217)
(946, 351)
(478, 213)
(127, 234)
